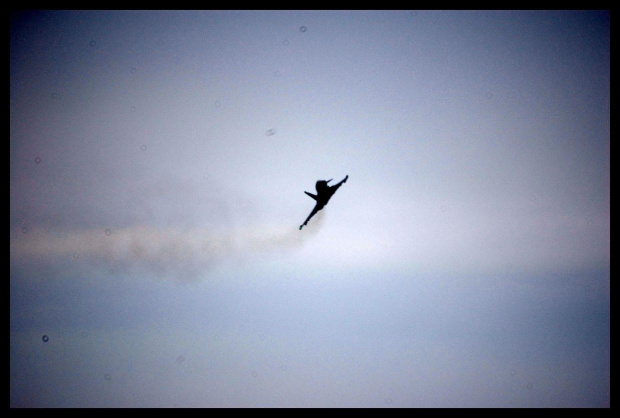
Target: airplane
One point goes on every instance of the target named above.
(322, 196)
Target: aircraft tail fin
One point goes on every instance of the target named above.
(311, 195)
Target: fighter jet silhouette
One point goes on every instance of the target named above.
(322, 196)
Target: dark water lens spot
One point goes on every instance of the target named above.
(37, 160)
(303, 29)
(45, 338)
(24, 230)
(93, 43)
(143, 148)
(107, 376)
(270, 132)
(180, 359)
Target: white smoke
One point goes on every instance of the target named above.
(182, 253)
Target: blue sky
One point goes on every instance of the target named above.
(158, 161)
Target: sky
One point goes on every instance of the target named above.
(158, 161)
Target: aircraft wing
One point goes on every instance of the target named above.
(311, 195)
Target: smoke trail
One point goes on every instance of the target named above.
(185, 254)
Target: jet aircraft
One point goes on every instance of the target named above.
(322, 196)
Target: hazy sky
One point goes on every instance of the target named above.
(158, 161)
